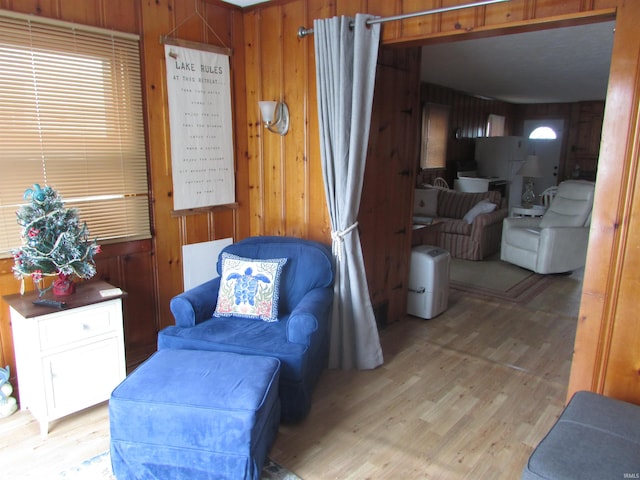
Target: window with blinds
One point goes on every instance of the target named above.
(71, 117)
(435, 127)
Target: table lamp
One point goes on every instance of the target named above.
(529, 170)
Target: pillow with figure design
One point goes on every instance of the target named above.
(249, 288)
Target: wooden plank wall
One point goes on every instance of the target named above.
(385, 212)
(607, 349)
(279, 185)
(151, 271)
(511, 17)
(582, 126)
(469, 114)
(214, 23)
(286, 191)
(581, 141)
(583, 130)
(129, 266)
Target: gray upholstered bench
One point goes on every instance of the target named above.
(596, 437)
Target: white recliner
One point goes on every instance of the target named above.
(556, 242)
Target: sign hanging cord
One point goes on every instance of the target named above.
(201, 17)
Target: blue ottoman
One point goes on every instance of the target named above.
(190, 414)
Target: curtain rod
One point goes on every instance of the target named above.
(303, 32)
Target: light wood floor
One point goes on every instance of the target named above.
(467, 394)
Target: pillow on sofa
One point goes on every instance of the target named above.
(249, 288)
(483, 206)
(425, 202)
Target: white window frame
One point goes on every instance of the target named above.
(71, 117)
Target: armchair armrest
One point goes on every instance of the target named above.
(305, 318)
(562, 248)
(195, 305)
(521, 222)
(490, 218)
(484, 220)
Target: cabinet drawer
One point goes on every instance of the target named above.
(64, 328)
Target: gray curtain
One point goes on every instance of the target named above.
(345, 74)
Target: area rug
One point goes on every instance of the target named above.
(99, 468)
(497, 279)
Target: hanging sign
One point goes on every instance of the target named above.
(199, 92)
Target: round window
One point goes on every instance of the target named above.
(544, 133)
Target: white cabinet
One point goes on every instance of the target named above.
(67, 359)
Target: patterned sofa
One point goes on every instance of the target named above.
(470, 241)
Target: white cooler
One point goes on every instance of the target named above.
(428, 281)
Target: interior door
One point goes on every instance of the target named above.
(547, 150)
(385, 217)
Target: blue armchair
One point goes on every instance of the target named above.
(300, 336)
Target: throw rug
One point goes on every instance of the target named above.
(99, 468)
(497, 279)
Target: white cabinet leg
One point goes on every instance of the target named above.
(44, 428)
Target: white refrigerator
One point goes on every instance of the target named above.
(502, 157)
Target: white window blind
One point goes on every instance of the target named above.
(71, 117)
(435, 127)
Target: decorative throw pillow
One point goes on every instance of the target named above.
(425, 202)
(249, 288)
(483, 206)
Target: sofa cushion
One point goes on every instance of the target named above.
(452, 204)
(243, 336)
(455, 226)
(249, 288)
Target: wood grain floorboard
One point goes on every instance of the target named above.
(465, 395)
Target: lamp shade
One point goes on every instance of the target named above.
(275, 116)
(268, 109)
(531, 167)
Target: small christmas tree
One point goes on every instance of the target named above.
(55, 243)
